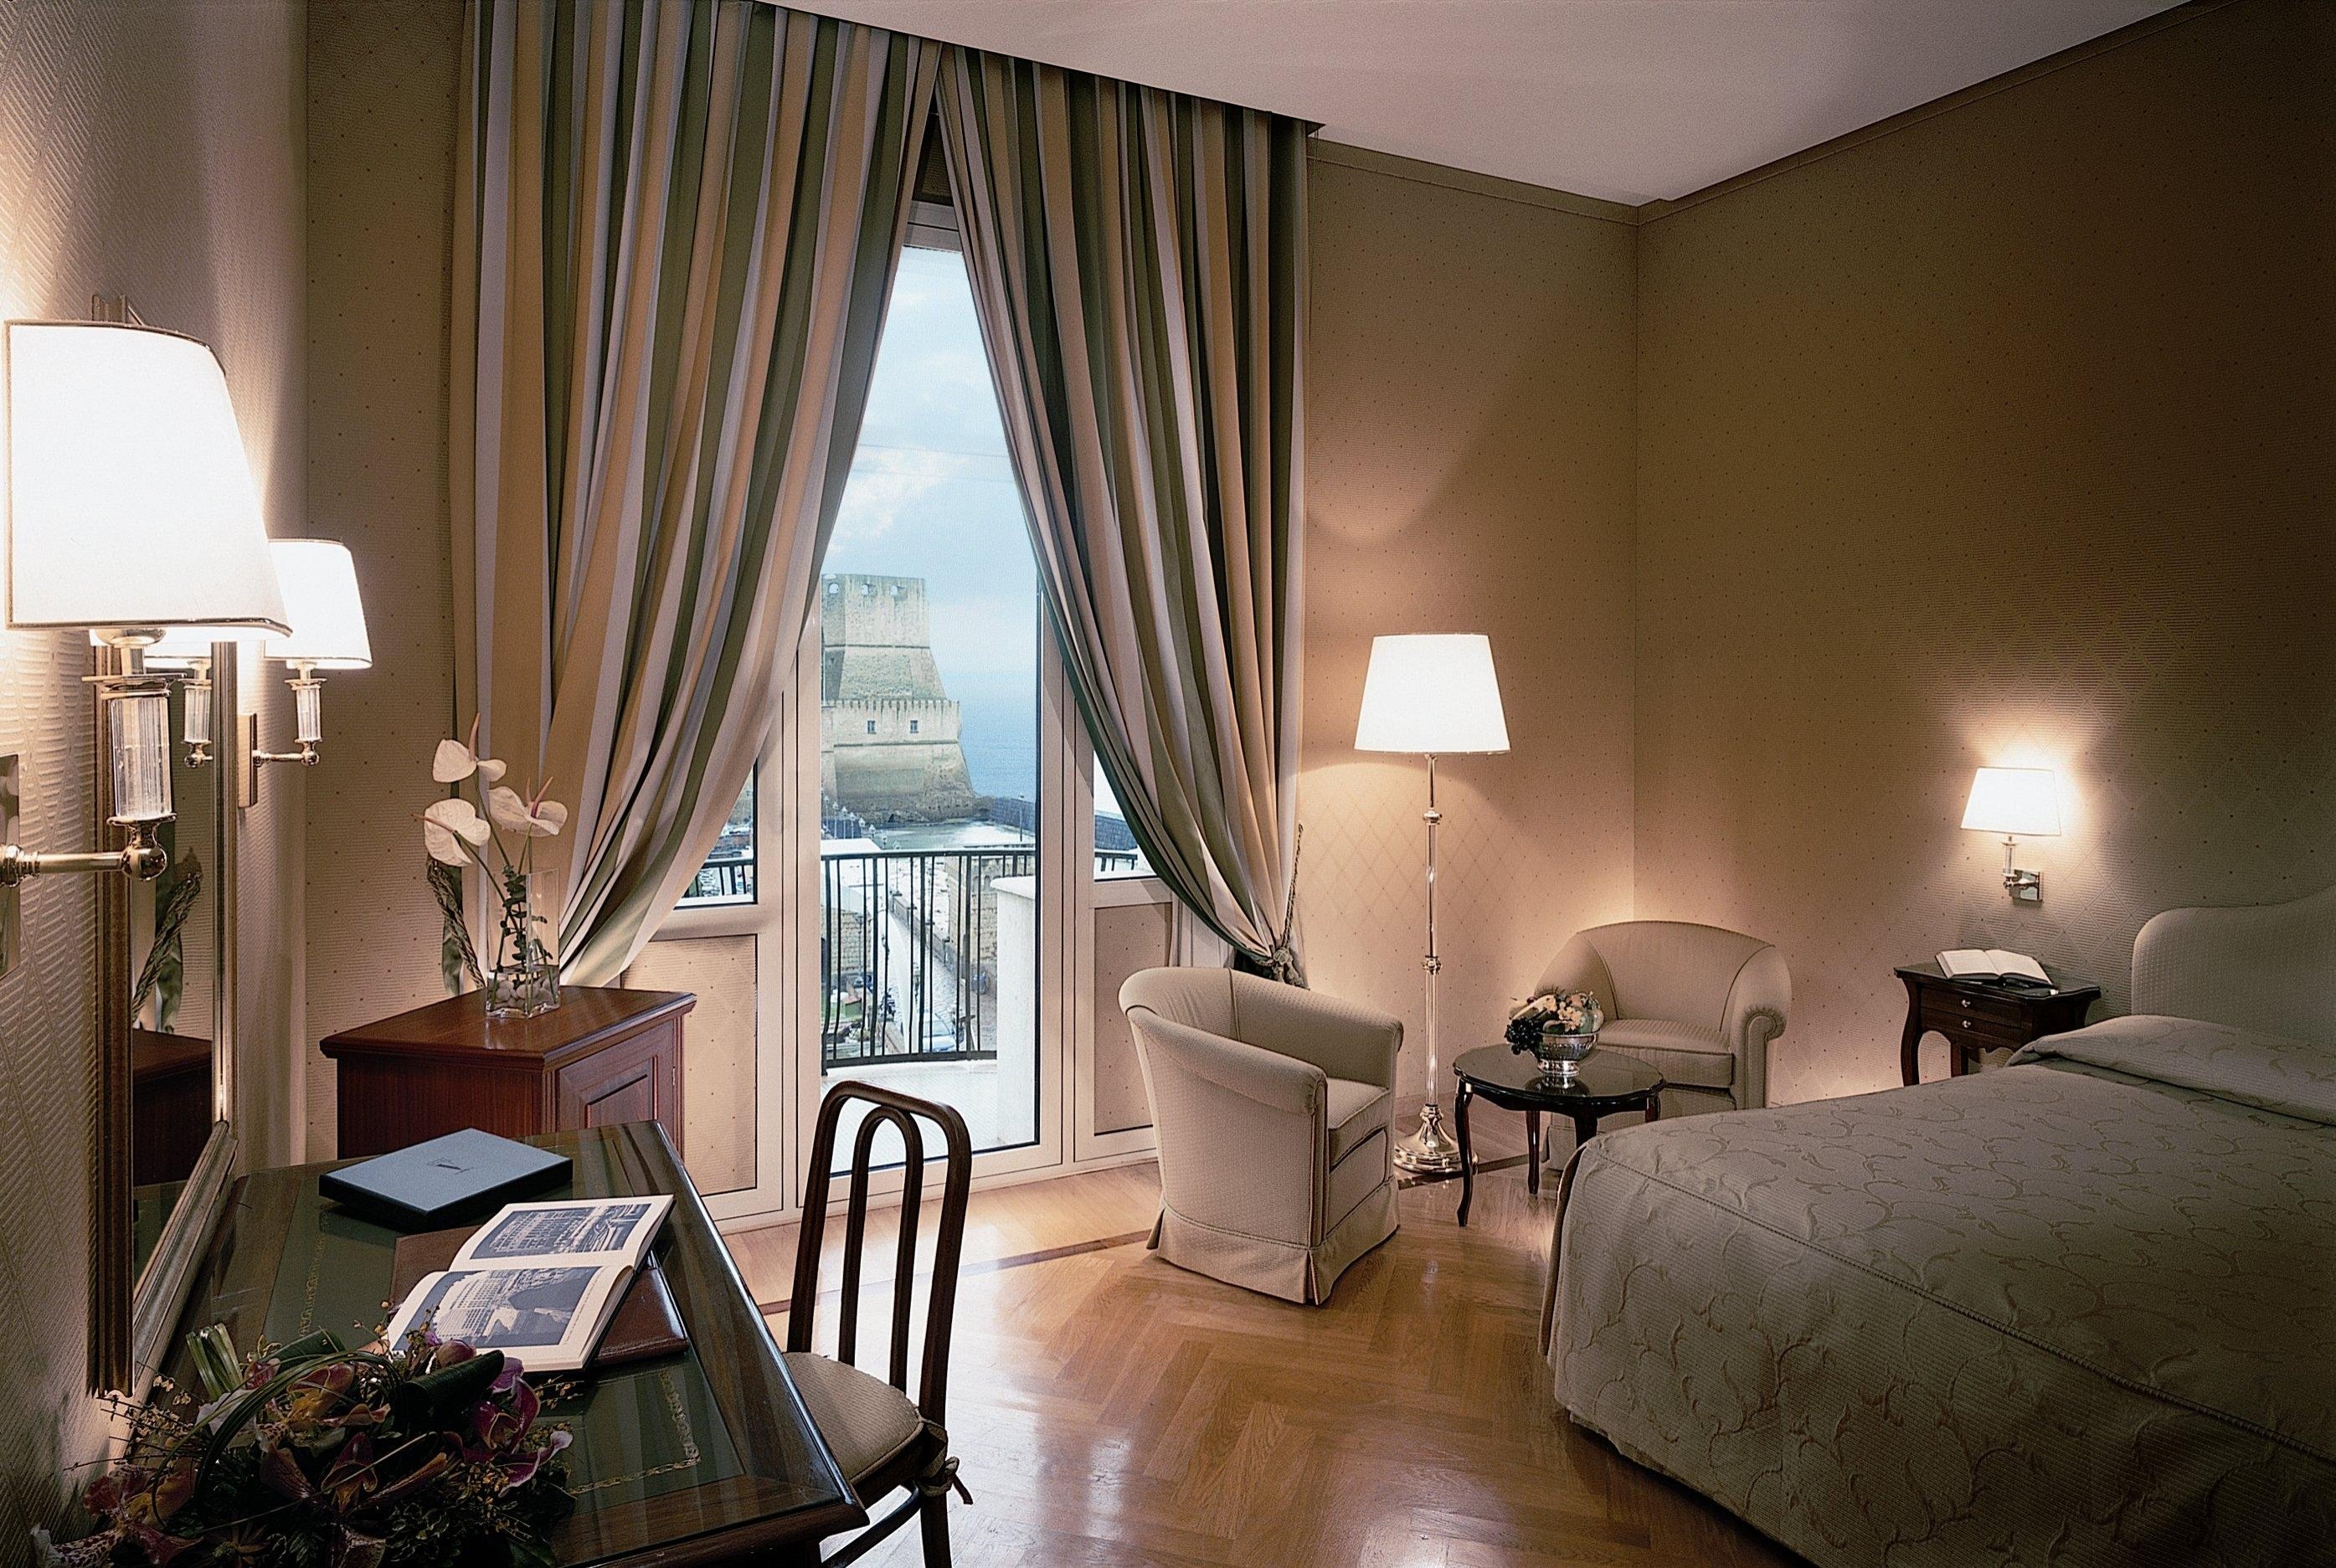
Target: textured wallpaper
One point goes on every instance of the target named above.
(382, 82)
(2004, 437)
(1468, 465)
(191, 207)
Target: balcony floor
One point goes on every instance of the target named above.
(996, 1099)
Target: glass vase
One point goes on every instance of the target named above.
(525, 979)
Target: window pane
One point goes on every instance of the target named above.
(1115, 854)
(727, 877)
(929, 733)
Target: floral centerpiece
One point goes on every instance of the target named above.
(525, 979)
(1559, 1027)
(310, 1455)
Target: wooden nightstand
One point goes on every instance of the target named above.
(601, 1056)
(1976, 1016)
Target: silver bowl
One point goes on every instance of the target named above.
(1562, 1054)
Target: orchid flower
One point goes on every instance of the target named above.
(458, 760)
(448, 825)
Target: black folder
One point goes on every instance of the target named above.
(428, 1185)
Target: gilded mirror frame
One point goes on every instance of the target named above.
(134, 1308)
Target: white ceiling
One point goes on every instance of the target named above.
(1629, 100)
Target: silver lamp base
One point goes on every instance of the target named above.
(1430, 1151)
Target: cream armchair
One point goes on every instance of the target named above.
(1275, 1111)
(1698, 1004)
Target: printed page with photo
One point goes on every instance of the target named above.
(538, 1282)
(568, 1230)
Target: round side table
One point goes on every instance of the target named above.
(1604, 1084)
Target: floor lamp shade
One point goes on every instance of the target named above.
(1432, 694)
(131, 502)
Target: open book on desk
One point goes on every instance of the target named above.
(1999, 964)
(538, 1282)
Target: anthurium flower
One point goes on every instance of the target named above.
(448, 825)
(514, 813)
(458, 760)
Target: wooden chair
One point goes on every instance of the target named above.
(882, 1439)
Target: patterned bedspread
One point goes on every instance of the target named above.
(2080, 1311)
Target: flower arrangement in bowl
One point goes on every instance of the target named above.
(1559, 1027)
(525, 979)
(311, 1455)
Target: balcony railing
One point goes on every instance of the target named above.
(908, 954)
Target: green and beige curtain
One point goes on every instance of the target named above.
(1139, 265)
(676, 229)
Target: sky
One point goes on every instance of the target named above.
(932, 495)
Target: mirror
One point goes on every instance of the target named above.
(175, 997)
(166, 1143)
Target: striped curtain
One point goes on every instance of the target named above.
(677, 228)
(1139, 266)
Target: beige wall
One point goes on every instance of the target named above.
(2003, 437)
(381, 80)
(191, 206)
(1470, 396)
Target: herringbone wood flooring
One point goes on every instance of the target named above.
(1111, 1409)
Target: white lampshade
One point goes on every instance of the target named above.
(320, 588)
(1432, 693)
(182, 644)
(2022, 800)
(129, 498)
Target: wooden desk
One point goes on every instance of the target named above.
(1975, 1015)
(602, 1056)
(690, 1458)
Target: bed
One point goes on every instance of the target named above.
(2078, 1311)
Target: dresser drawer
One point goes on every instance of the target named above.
(1967, 1022)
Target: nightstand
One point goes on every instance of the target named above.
(1977, 1016)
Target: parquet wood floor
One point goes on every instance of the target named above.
(1111, 1410)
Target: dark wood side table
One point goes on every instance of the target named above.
(1605, 1084)
(1976, 1016)
(600, 1057)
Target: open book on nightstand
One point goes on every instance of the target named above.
(1993, 964)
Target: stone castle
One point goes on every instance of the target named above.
(889, 748)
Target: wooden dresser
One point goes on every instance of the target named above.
(600, 1057)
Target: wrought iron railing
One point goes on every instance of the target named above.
(727, 877)
(908, 954)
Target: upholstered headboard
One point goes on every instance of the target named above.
(2267, 967)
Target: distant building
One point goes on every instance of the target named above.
(889, 748)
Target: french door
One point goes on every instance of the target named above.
(919, 889)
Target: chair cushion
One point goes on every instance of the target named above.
(1355, 1112)
(865, 1420)
(1682, 1053)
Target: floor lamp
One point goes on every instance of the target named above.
(1431, 696)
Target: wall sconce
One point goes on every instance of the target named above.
(188, 649)
(2018, 803)
(132, 512)
(328, 632)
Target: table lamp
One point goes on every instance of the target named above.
(1431, 696)
(2018, 803)
(131, 511)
